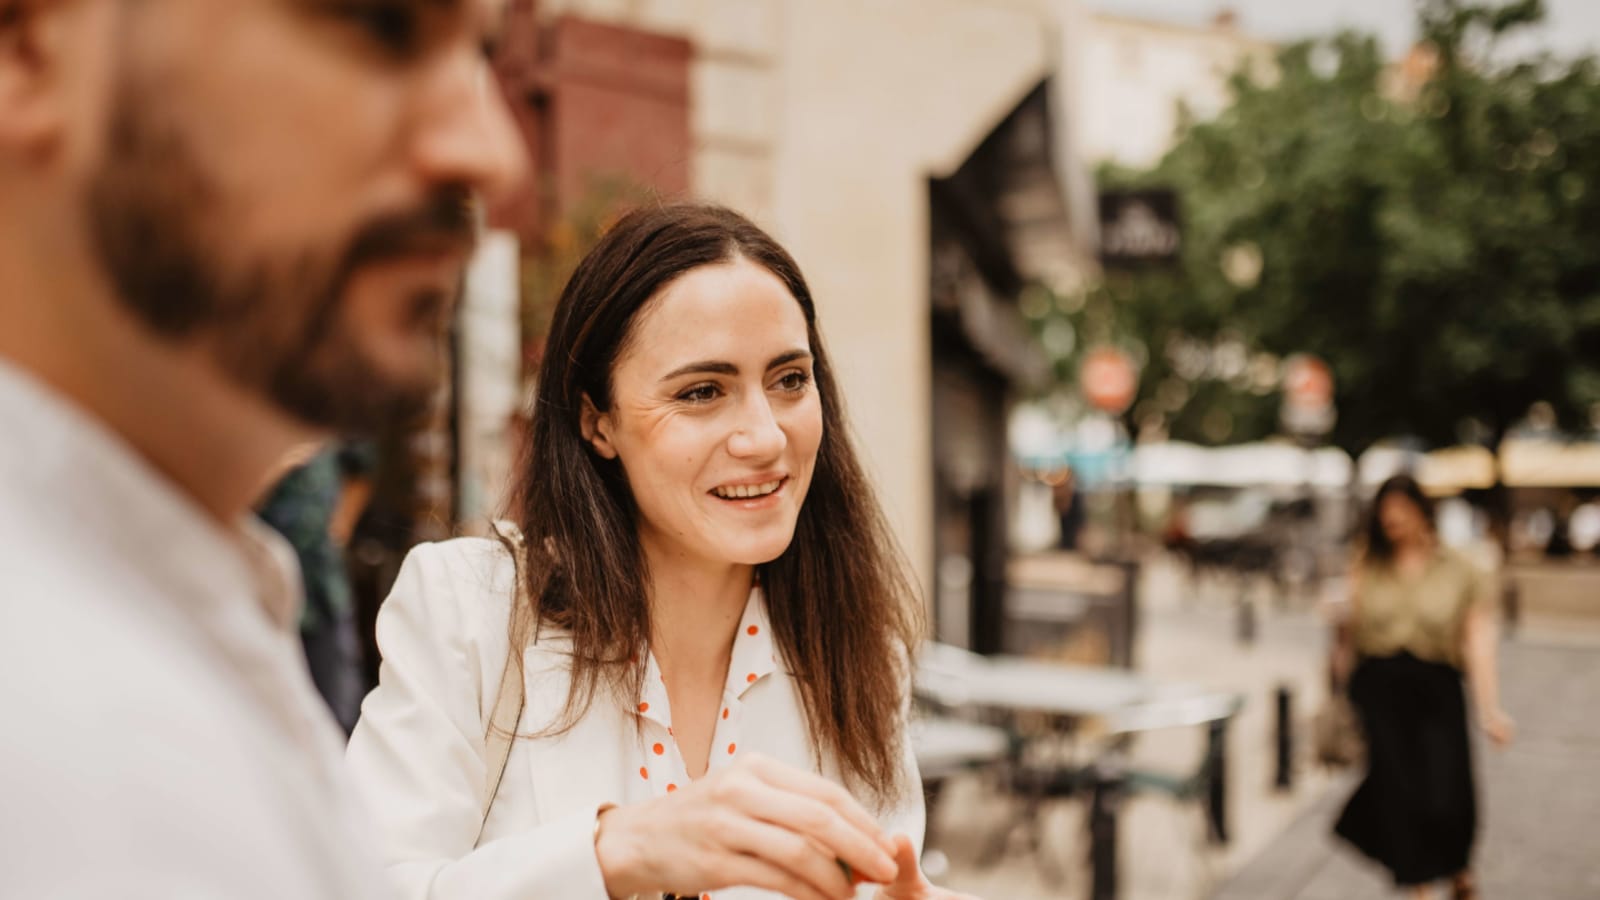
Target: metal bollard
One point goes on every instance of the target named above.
(1217, 781)
(1104, 799)
(1284, 779)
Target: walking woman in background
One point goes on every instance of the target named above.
(1421, 617)
(704, 610)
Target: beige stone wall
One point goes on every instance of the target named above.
(1135, 73)
(824, 119)
(879, 96)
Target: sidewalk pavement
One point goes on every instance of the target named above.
(1539, 828)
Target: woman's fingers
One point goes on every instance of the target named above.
(836, 798)
(832, 830)
(1501, 729)
(800, 857)
(824, 827)
(748, 871)
(909, 883)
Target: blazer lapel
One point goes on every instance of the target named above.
(582, 768)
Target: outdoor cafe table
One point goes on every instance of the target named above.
(957, 678)
(1120, 702)
(945, 747)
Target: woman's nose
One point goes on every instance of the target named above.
(757, 435)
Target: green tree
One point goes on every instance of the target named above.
(1433, 232)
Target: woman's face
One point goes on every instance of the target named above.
(714, 417)
(1401, 520)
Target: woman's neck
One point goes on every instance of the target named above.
(1416, 551)
(695, 610)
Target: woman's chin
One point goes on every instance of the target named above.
(754, 553)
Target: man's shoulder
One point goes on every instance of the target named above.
(129, 743)
(88, 646)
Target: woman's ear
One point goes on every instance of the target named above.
(596, 427)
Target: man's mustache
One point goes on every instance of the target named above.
(448, 220)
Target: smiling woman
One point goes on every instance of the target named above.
(707, 615)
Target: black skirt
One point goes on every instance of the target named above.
(1416, 811)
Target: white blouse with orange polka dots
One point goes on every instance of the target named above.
(417, 758)
(661, 765)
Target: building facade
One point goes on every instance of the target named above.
(1140, 75)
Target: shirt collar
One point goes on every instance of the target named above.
(754, 654)
(754, 658)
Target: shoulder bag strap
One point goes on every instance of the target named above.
(501, 729)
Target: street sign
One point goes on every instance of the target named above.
(1108, 379)
(1139, 228)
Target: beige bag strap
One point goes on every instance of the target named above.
(501, 729)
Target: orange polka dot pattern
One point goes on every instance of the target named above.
(662, 768)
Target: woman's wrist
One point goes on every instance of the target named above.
(616, 852)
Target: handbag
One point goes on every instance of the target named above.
(501, 728)
(1336, 732)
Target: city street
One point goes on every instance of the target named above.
(1538, 797)
(1537, 837)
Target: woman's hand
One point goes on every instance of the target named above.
(1498, 726)
(909, 883)
(758, 823)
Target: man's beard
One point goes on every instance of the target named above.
(277, 324)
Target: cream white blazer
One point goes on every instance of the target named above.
(418, 760)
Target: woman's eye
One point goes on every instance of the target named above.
(794, 382)
(703, 393)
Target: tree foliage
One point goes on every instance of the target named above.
(1431, 230)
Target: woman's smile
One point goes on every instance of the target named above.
(751, 494)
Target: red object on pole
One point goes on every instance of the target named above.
(1108, 379)
(1307, 395)
(1308, 382)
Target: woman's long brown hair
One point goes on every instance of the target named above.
(844, 614)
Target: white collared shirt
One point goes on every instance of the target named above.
(161, 736)
(661, 766)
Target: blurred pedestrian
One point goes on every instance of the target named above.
(702, 645)
(1421, 616)
(1069, 509)
(228, 229)
(314, 507)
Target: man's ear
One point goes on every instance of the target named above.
(37, 77)
(31, 112)
(596, 427)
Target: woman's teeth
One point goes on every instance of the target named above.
(746, 491)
